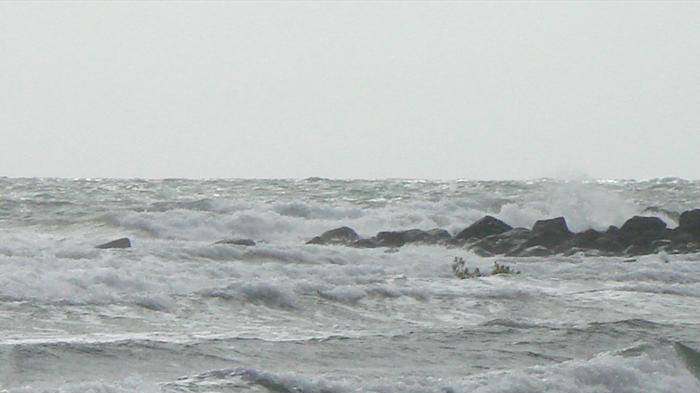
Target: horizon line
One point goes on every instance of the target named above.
(321, 178)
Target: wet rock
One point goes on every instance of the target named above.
(665, 245)
(608, 245)
(237, 242)
(679, 236)
(608, 242)
(586, 239)
(689, 222)
(489, 237)
(506, 243)
(482, 228)
(642, 225)
(637, 249)
(365, 243)
(550, 233)
(686, 248)
(547, 237)
(342, 235)
(400, 238)
(119, 243)
(553, 225)
(579, 250)
(641, 232)
(439, 234)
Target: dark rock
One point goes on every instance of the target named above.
(490, 236)
(119, 243)
(642, 225)
(685, 248)
(690, 222)
(508, 243)
(660, 245)
(399, 238)
(679, 236)
(342, 235)
(550, 233)
(482, 228)
(612, 229)
(553, 225)
(365, 243)
(237, 242)
(578, 250)
(590, 239)
(638, 249)
(546, 238)
(439, 234)
(586, 239)
(391, 239)
(608, 245)
(641, 232)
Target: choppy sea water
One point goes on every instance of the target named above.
(176, 313)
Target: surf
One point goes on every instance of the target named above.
(690, 357)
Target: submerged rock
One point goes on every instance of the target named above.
(237, 242)
(365, 243)
(438, 234)
(342, 235)
(399, 238)
(347, 236)
(119, 243)
(396, 239)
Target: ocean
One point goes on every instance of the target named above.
(178, 313)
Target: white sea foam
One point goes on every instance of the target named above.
(416, 326)
(129, 385)
(583, 205)
(605, 373)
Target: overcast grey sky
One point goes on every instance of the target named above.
(350, 90)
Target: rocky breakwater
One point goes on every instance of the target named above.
(490, 236)
(348, 237)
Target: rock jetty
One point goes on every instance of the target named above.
(490, 236)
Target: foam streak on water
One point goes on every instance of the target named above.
(176, 313)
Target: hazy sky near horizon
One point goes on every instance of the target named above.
(350, 89)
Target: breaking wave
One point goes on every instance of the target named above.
(605, 373)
